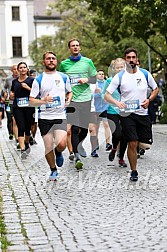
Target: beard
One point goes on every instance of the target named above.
(133, 65)
(51, 68)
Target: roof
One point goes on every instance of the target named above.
(40, 8)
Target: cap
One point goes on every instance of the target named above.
(32, 71)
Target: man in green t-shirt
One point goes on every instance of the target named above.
(82, 72)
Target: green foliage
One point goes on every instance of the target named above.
(78, 23)
(144, 19)
(164, 91)
(163, 119)
(3, 239)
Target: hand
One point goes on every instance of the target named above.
(120, 104)
(83, 80)
(98, 90)
(24, 85)
(145, 103)
(48, 98)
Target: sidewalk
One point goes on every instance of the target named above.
(94, 210)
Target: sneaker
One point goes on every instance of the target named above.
(59, 158)
(122, 163)
(118, 153)
(31, 140)
(108, 147)
(134, 176)
(27, 148)
(34, 141)
(71, 157)
(10, 137)
(94, 154)
(112, 155)
(141, 152)
(18, 146)
(78, 164)
(53, 175)
(82, 151)
(23, 154)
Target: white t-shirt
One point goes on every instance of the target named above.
(51, 84)
(133, 89)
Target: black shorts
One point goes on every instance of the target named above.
(78, 114)
(137, 127)
(50, 125)
(2, 110)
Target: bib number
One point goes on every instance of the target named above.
(55, 104)
(22, 102)
(8, 108)
(132, 105)
(74, 80)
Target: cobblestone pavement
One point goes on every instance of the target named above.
(94, 210)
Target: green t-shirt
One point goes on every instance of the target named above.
(83, 68)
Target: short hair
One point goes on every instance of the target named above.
(74, 39)
(129, 50)
(51, 52)
(100, 70)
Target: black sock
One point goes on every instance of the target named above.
(53, 169)
(57, 152)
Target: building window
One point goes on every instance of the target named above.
(17, 46)
(15, 13)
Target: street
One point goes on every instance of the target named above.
(95, 210)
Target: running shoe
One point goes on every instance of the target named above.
(122, 163)
(59, 158)
(108, 147)
(23, 154)
(34, 141)
(112, 155)
(10, 137)
(134, 176)
(141, 152)
(78, 164)
(53, 175)
(27, 148)
(82, 151)
(17, 146)
(71, 156)
(31, 140)
(94, 154)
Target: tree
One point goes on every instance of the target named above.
(77, 22)
(143, 19)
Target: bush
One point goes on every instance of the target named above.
(163, 113)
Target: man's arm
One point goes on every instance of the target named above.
(109, 99)
(33, 102)
(90, 80)
(152, 96)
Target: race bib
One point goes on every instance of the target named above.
(55, 104)
(22, 102)
(74, 80)
(8, 108)
(132, 105)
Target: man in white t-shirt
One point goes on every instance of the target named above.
(133, 83)
(53, 90)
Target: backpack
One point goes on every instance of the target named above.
(120, 74)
